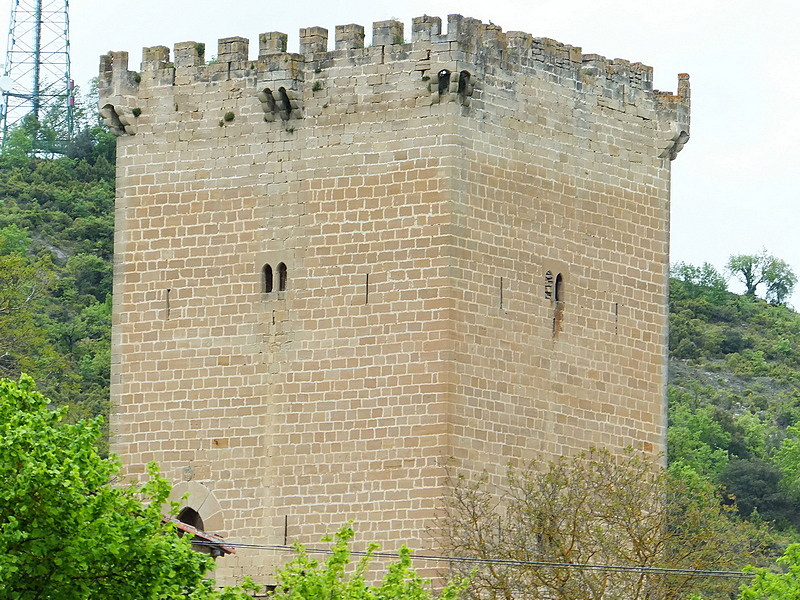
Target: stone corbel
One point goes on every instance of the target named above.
(118, 116)
(671, 140)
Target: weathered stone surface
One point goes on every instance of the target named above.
(471, 233)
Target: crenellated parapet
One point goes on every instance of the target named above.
(433, 67)
(344, 272)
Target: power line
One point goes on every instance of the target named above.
(504, 561)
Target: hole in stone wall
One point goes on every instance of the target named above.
(282, 277)
(444, 81)
(559, 288)
(463, 83)
(286, 104)
(501, 292)
(267, 278)
(558, 296)
(270, 99)
(191, 517)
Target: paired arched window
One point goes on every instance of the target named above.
(270, 278)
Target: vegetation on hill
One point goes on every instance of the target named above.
(56, 244)
(734, 394)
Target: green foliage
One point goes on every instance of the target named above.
(14, 239)
(736, 389)
(699, 282)
(24, 345)
(56, 244)
(305, 579)
(756, 269)
(696, 439)
(769, 585)
(755, 487)
(787, 459)
(753, 338)
(65, 532)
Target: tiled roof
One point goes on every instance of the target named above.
(203, 538)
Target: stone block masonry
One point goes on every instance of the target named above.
(340, 270)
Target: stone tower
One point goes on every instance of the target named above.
(337, 270)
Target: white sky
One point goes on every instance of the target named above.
(734, 185)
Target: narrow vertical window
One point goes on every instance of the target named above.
(270, 99)
(366, 289)
(267, 278)
(167, 300)
(444, 82)
(286, 104)
(282, 276)
(501, 292)
(463, 83)
(558, 297)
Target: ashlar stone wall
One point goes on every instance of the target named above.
(339, 271)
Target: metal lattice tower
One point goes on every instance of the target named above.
(36, 77)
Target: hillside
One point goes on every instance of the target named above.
(734, 396)
(56, 244)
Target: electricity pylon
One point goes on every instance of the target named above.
(36, 78)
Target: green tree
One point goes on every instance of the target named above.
(14, 239)
(23, 342)
(65, 532)
(756, 269)
(755, 486)
(598, 509)
(787, 459)
(699, 282)
(304, 578)
(696, 439)
(769, 585)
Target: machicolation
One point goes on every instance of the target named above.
(337, 271)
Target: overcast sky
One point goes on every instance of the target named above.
(734, 185)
